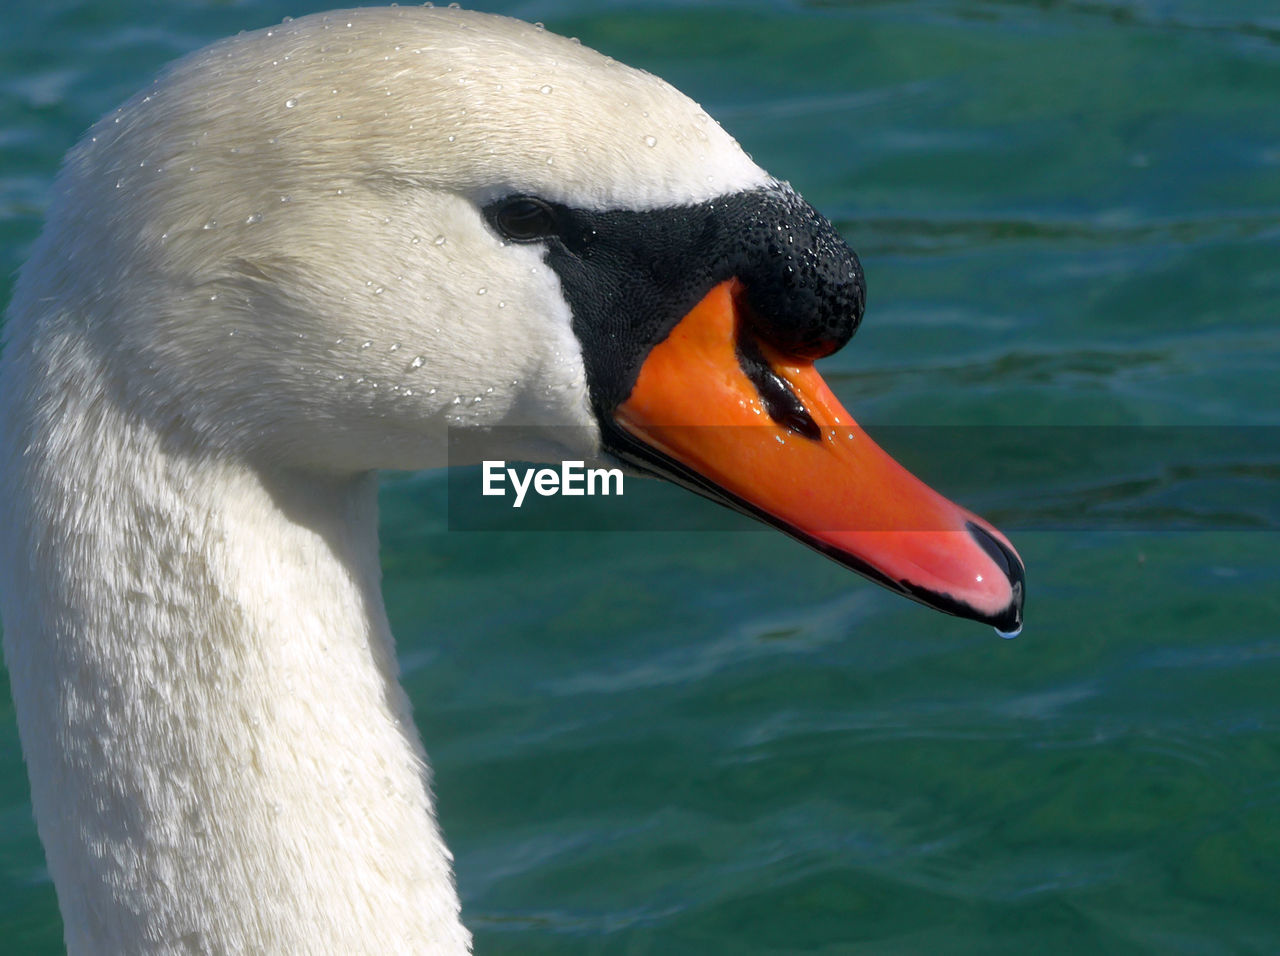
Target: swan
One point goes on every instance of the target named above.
(306, 254)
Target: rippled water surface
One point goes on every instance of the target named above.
(718, 742)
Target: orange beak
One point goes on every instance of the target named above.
(735, 420)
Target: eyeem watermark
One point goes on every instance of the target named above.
(573, 479)
(1034, 478)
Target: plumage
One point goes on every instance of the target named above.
(262, 279)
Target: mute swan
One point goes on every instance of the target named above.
(294, 260)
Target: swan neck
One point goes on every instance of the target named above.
(221, 756)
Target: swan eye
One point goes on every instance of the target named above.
(524, 219)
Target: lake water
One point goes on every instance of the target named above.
(716, 741)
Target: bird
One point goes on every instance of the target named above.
(312, 252)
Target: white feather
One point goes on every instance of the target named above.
(262, 279)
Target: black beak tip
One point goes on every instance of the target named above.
(1009, 621)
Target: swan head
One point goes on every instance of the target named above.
(299, 213)
(334, 240)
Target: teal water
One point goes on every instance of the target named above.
(718, 742)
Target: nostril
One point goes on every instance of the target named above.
(779, 399)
